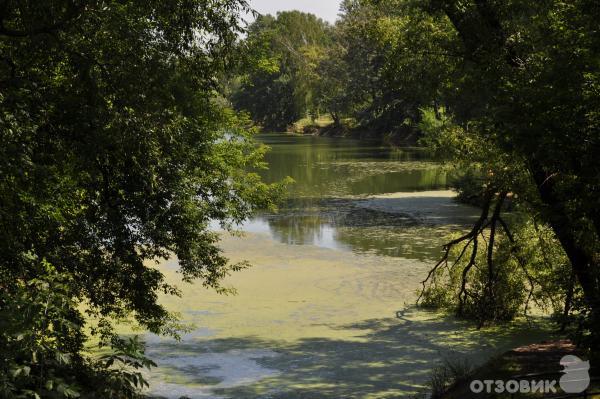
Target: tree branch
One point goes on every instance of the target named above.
(471, 237)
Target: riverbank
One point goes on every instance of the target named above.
(325, 127)
(537, 361)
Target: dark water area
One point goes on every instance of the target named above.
(324, 166)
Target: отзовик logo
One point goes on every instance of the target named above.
(577, 376)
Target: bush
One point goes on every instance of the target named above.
(488, 298)
(470, 187)
(530, 269)
(41, 342)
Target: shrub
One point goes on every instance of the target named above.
(41, 343)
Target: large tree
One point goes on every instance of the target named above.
(525, 90)
(114, 155)
(509, 90)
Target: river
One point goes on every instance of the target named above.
(326, 309)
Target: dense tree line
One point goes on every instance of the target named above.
(298, 66)
(281, 56)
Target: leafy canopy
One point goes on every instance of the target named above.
(115, 154)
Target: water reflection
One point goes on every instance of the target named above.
(408, 180)
(332, 177)
(323, 166)
(298, 231)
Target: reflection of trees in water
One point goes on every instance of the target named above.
(341, 167)
(304, 220)
(328, 172)
(341, 223)
(297, 229)
(427, 178)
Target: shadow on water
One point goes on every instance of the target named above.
(389, 358)
(412, 228)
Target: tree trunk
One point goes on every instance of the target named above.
(336, 119)
(481, 32)
(570, 291)
(583, 260)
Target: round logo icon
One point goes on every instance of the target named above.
(576, 378)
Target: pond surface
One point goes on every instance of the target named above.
(325, 310)
(330, 203)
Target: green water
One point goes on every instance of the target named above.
(325, 310)
(338, 167)
(331, 176)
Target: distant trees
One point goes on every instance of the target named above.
(394, 69)
(281, 56)
(298, 66)
(331, 91)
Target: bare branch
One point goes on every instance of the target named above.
(490, 247)
(471, 236)
(462, 295)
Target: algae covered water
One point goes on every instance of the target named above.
(325, 310)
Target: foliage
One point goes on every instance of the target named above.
(41, 342)
(278, 84)
(332, 74)
(374, 66)
(116, 374)
(522, 107)
(528, 272)
(115, 155)
(40, 337)
(529, 263)
(118, 152)
(395, 65)
(469, 185)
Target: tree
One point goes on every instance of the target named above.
(278, 83)
(526, 87)
(394, 65)
(114, 155)
(332, 78)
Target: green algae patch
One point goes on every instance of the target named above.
(315, 322)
